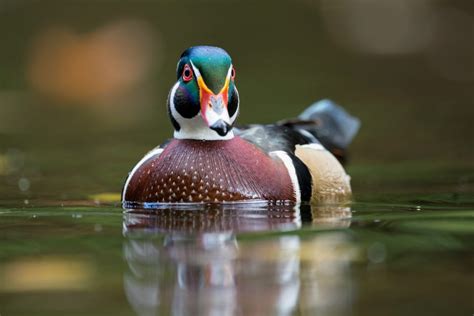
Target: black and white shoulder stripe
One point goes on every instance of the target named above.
(299, 174)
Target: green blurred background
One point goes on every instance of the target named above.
(83, 87)
(83, 84)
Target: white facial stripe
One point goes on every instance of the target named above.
(195, 69)
(198, 73)
(196, 128)
(174, 112)
(229, 72)
(232, 119)
(211, 116)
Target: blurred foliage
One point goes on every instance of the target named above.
(286, 58)
(415, 121)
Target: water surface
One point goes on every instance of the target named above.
(366, 258)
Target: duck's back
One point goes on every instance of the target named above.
(209, 171)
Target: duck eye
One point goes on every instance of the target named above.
(232, 73)
(187, 73)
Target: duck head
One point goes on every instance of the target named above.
(204, 102)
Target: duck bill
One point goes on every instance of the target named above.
(214, 108)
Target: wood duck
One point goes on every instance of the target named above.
(209, 161)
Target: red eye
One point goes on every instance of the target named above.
(232, 73)
(187, 73)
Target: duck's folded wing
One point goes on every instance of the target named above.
(272, 137)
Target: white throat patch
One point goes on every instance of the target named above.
(194, 128)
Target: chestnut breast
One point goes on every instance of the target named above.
(209, 171)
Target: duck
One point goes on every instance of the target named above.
(209, 160)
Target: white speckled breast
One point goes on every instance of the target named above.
(209, 171)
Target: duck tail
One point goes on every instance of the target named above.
(326, 123)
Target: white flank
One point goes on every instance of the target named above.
(283, 156)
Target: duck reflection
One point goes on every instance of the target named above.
(197, 262)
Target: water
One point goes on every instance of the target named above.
(359, 259)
